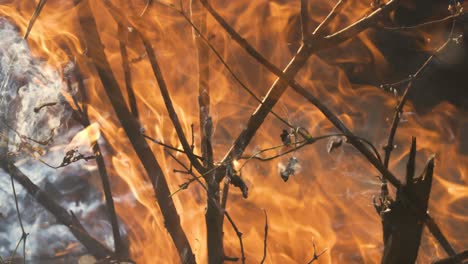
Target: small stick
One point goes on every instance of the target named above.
(429, 23)
(458, 258)
(216, 205)
(62, 215)
(265, 238)
(168, 146)
(38, 108)
(316, 256)
(333, 13)
(329, 41)
(127, 71)
(396, 120)
(131, 126)
(304, 19)
(35, 15)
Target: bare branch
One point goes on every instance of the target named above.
(396, 120)
(333, 13)
(120, 18)
(24, 235)
(239, 235)
(316, 256)
(168, 146)
(119, 247)
(92, 245)
(291, 70)
(424, 24)
(35, 15)
(458, 258)
(304, 19)
(275, 92)
(132, 128)
(265, 238)
(122, 31)
(211, 200)
(360, 25)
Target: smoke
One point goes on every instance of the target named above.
(35, 124)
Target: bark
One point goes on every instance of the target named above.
(213, 216)
(64, 217)
(131, 126)
(402, 228)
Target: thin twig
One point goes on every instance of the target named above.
(35, 15)
(61, 214)
(388, 148)
(169, 106)
(216, 205)
(239, 235)
(316, 256)
(168, 146)
(123, 31)
(304, 19)
(330, 41)
(426, 63)
(119, 247)
(24, 235)
(424, 24)
(120, 18)
(303, 143)
(333, 13)
(194, 177)
(265, 238)
(131, 126)
(221, 59)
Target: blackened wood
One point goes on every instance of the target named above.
(213, 216)
(64, 217)
(402, 228)
(95, 51)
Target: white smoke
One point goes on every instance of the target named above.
(26, 84)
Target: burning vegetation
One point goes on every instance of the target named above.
(151, 131)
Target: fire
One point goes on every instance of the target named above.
(328, 201)
(86, 137)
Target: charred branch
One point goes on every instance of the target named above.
(123, 32)
(265, 238)
(402, 228)
(34, 17)
(132, 128)
(95, 247)
(458, 258)
(316, 255)
(313, 46)
(388, 148)
(287, 77)
(333, 13)
(120, 18)
(220, 209)
(120, 249)
(213, 217)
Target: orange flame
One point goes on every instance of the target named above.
(329, 200)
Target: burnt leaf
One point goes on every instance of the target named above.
(184, 185)
(239, 183)
(290, 169)
(73, 156)
(285, 137)
(334, 143)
